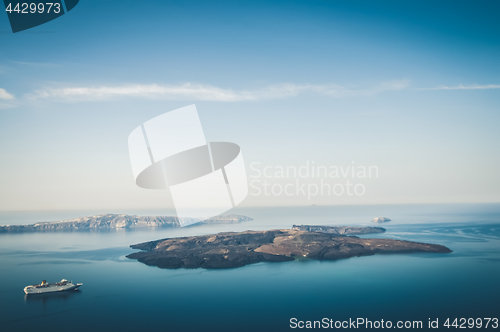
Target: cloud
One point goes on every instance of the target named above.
(207, 92)
(4, 95)
(462, 87)
(41, 64)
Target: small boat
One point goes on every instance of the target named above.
(44, 287)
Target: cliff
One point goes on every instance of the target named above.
(115, 221)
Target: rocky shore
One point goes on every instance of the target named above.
(228, 250)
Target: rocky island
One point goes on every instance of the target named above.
(381, 219)
(115, 221)
(228, 250)
(341, 230)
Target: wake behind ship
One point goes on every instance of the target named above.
(44, 287)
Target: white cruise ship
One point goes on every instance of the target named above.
(44, 287)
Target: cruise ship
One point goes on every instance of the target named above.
(44, 287)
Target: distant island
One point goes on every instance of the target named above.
(228, 250)
(115, 221)
(341, 230)
(380, 219)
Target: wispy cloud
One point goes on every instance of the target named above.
(208, 92)
(40, 64)
(464, 87)
(4, 95)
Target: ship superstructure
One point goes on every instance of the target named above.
(44, 287)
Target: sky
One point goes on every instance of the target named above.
(410, 88)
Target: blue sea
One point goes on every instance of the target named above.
(119, 294)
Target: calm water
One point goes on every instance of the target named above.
(124, 295)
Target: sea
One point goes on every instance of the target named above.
(120, 294)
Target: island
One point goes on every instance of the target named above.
(115, 221)
(231, 249)
(381, 219)
(341, 230)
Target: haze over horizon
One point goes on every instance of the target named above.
(413, 89)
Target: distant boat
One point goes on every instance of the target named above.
(44, 287)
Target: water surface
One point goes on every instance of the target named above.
(122, 294)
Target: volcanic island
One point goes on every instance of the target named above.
(235, 249)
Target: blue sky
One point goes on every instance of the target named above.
(410, 87)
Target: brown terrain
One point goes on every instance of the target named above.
(227, 250)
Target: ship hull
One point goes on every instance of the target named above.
(51, 289)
